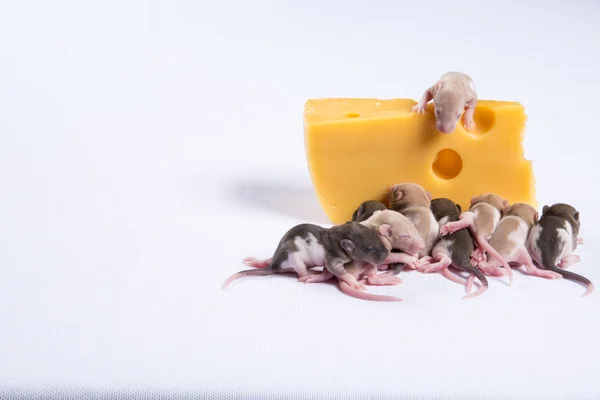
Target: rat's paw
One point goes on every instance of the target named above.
(448, 229)
(477, 256)
(314, 277)
(419, 108)
(579, 240)
(413, 262)
(469, 125)
(550, 275)
(250, 261)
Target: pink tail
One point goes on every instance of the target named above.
(364, 295)
(590, 289)
(488, 247)
(248, 272)
(453, 277)
(479, 291)
(256, 263)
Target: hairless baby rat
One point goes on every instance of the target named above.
(414, 202)
(455, 249)
(307, 245)
(481, 219)
(509, 241)
(553, 239)
(452, 94)
(366, 209)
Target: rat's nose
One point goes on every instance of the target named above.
(382, 256)
(445, 129)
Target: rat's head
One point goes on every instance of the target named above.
(400, 232)
(491, 199)
(525, 211)
(449, 106)
(366, 210)
(409, 194)
(563, 210)
(443, 207)
(363, 243)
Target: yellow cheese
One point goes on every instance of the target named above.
(357, 148)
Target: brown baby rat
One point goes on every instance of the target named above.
(307, 245)
(366, 209)
(454, 249)
(553, 239)
(482, 219)
(509, 240)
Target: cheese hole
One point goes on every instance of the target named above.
(485, 119)
(447, 164)
(352, 115)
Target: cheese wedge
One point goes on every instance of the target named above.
(357, 148)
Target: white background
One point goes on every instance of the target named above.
(147, 147)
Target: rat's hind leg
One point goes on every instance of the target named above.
(299, 266)
(524, 258)
(256, 263)
(443, 262)
(465, 220)
(568, 261)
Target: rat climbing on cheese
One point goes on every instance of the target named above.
(357, 148)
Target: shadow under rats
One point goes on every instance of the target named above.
(296, 201)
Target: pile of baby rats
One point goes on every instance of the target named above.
(429, 235)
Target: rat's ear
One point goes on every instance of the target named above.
(505, 206)
(576, 215)
(536, 217)
(429, 196)
(544, 209)
(358, 212)
(397, 194)
(385, 230)
(459, 207)
(473, 199)
(347, 245)
(439, 85)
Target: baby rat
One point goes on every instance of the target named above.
(401, 236)
(452, 94)
(414, 202)
(553, 239)
(404, 236)
(308, 245)
(366, 209)
(481, 219)
(454, 249)
(510, 237)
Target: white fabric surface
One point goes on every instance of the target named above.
(147, 147)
